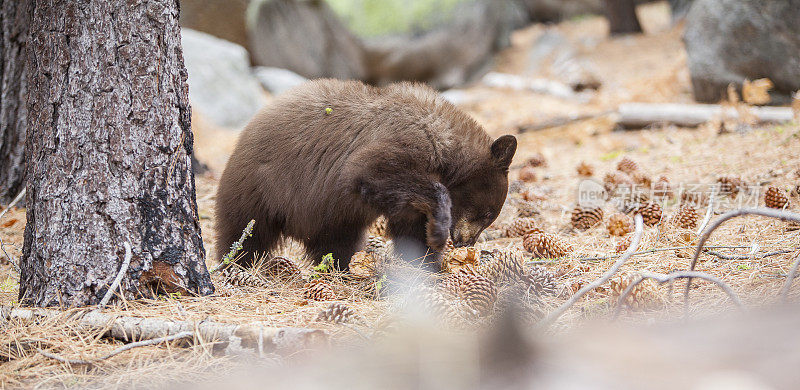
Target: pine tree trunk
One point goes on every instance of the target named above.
(14, 20)
(109, 150)
(622, 17)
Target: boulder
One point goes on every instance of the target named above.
(277, 80)
(728, 41)
(223, 19)
(451, 55)
(221, 85)
(305, 37)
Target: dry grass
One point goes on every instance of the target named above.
(646, 68)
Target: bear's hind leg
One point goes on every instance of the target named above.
(342, 245)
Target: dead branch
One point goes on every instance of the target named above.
(661, 279)
(637, 115)
(228, 339)
(13, 202)
(784, 215)
(560, 121)
(117, 280)
(537, 85)
(654, 250)
(724, 256)
(637, 236)
(126, 347)
(790, 278)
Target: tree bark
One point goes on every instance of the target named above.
(14, 20)
(622, 17)
(109, 149)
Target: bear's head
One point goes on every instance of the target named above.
(477, 201)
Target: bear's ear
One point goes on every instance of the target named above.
(503, 150)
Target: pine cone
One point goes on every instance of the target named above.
(543, 245)
(337, 313)
(617, 181)
(651, 213)
(619, 225)
(774, 198)
(527, 174)
(662, 188)
(627, 165)
(520, 227)
(624, 243)
(641, 179)
(643, 296)
(526, 209)
(438, 303)
(537, 160)
(478, 292)
(541, 281)
(584, 169)
(235, 275)
(280, 268)
(730, 185)
(363, 264)
(584, 218)
(318, 290)
(377, 245)
(379, 227)
(695, 199)
(453, 260)
(502, 266)
(686, 217)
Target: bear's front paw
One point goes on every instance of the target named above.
(438, 233)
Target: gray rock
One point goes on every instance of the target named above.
(221, 86)
(277, 80)
(728, 41)
(305, 37)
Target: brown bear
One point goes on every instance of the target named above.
(326, 159)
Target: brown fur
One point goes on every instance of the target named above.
(400, 151)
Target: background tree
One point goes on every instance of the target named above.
(109, 150)
(622, 17)
(14, 19)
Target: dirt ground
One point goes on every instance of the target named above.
(642, 68)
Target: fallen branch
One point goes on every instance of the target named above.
(537, 85)
(560, 121)
(126, 347)
(672, 248)
(637, 115)
(13, 202)
(661, 279)
(785, 215)
(745, 257)
(10, 259)
(790, 278)
(637, 236)
(228, 339)
(117, 280)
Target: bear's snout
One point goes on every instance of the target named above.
(465, 233)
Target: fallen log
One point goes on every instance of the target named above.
(228, 339)
(637, 115)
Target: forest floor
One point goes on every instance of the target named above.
(644, 68)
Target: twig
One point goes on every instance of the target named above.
(126, 347)
(785, 215)
(13, 202)
(709, 211)
(10, 259)
(790, 278)
(122, 270)
(637, 236)
(560, 121)
(745, 257)
(661, 279)
(587, 259)
(236, 247)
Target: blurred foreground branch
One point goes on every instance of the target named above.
(227, 339)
